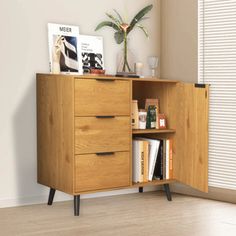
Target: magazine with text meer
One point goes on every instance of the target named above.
(64, 49)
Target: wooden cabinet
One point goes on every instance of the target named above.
(84, 133)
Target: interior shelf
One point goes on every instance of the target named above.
(154, 182)
(152, 131)
(154, 80)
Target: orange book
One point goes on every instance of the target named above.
(171, 159)
(141, 154)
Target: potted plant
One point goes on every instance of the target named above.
(122, 30)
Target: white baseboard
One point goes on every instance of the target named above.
(59, 197)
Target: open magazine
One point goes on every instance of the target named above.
(64, 49)
(92, 53)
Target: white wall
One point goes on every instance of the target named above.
(179, 40)
(23, 52)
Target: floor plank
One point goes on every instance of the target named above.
(132, 214)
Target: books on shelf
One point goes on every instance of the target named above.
(152, 159)
(140, 161)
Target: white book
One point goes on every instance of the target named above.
(153, 152)
(167, 158)
(136, 161)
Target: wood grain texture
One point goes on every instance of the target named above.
(164, 92)
(100, 172)
(185, 107)
(191, 160)
(55, 129)
(102, 97)
(136, 214)
(152, 131)
(94, 135)
(110, 77)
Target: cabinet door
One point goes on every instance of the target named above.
(191, 159)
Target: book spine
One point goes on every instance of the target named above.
(141, 153)
(134, 156)
(164, 159)
(167, 158)
(146, 151)
(171, 159)
(161, 160)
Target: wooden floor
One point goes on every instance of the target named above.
(134, 214)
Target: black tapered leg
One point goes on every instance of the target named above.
(51, 196)
(140, 189)
(76, 205)
(168, 193)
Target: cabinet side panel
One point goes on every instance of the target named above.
(55, 129)
(191, 162)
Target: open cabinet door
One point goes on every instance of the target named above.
(190, 164)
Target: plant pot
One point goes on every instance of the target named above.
(125, 60)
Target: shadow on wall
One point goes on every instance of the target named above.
(28, 191)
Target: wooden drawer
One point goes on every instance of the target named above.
(93, 172)
(94, 135)
(102, 97)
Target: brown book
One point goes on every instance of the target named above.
(146, 153)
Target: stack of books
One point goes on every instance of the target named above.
(152, 159)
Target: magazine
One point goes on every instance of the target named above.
(64, 49)
(92, 53)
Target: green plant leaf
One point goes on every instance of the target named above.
(144, 18)
(116, 21)
(119, 37)
(107, 24)
(143, 29)
(139, 16)
(119, 16)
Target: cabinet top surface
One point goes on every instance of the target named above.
(106, 77)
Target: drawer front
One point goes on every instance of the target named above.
(95, 172)
(102, 97)
(93, 135)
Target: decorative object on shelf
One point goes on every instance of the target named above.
(162, 121)
(125, 60)
(64, 50)
(138, 69)
(153, 102)
(153, 64)
(122, 30)
(97, 72)
(92, 54)
(135, 117)
(151, 117)
(142, 117)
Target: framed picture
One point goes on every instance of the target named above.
(64, 49)
(92, 53)
(162, 121)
